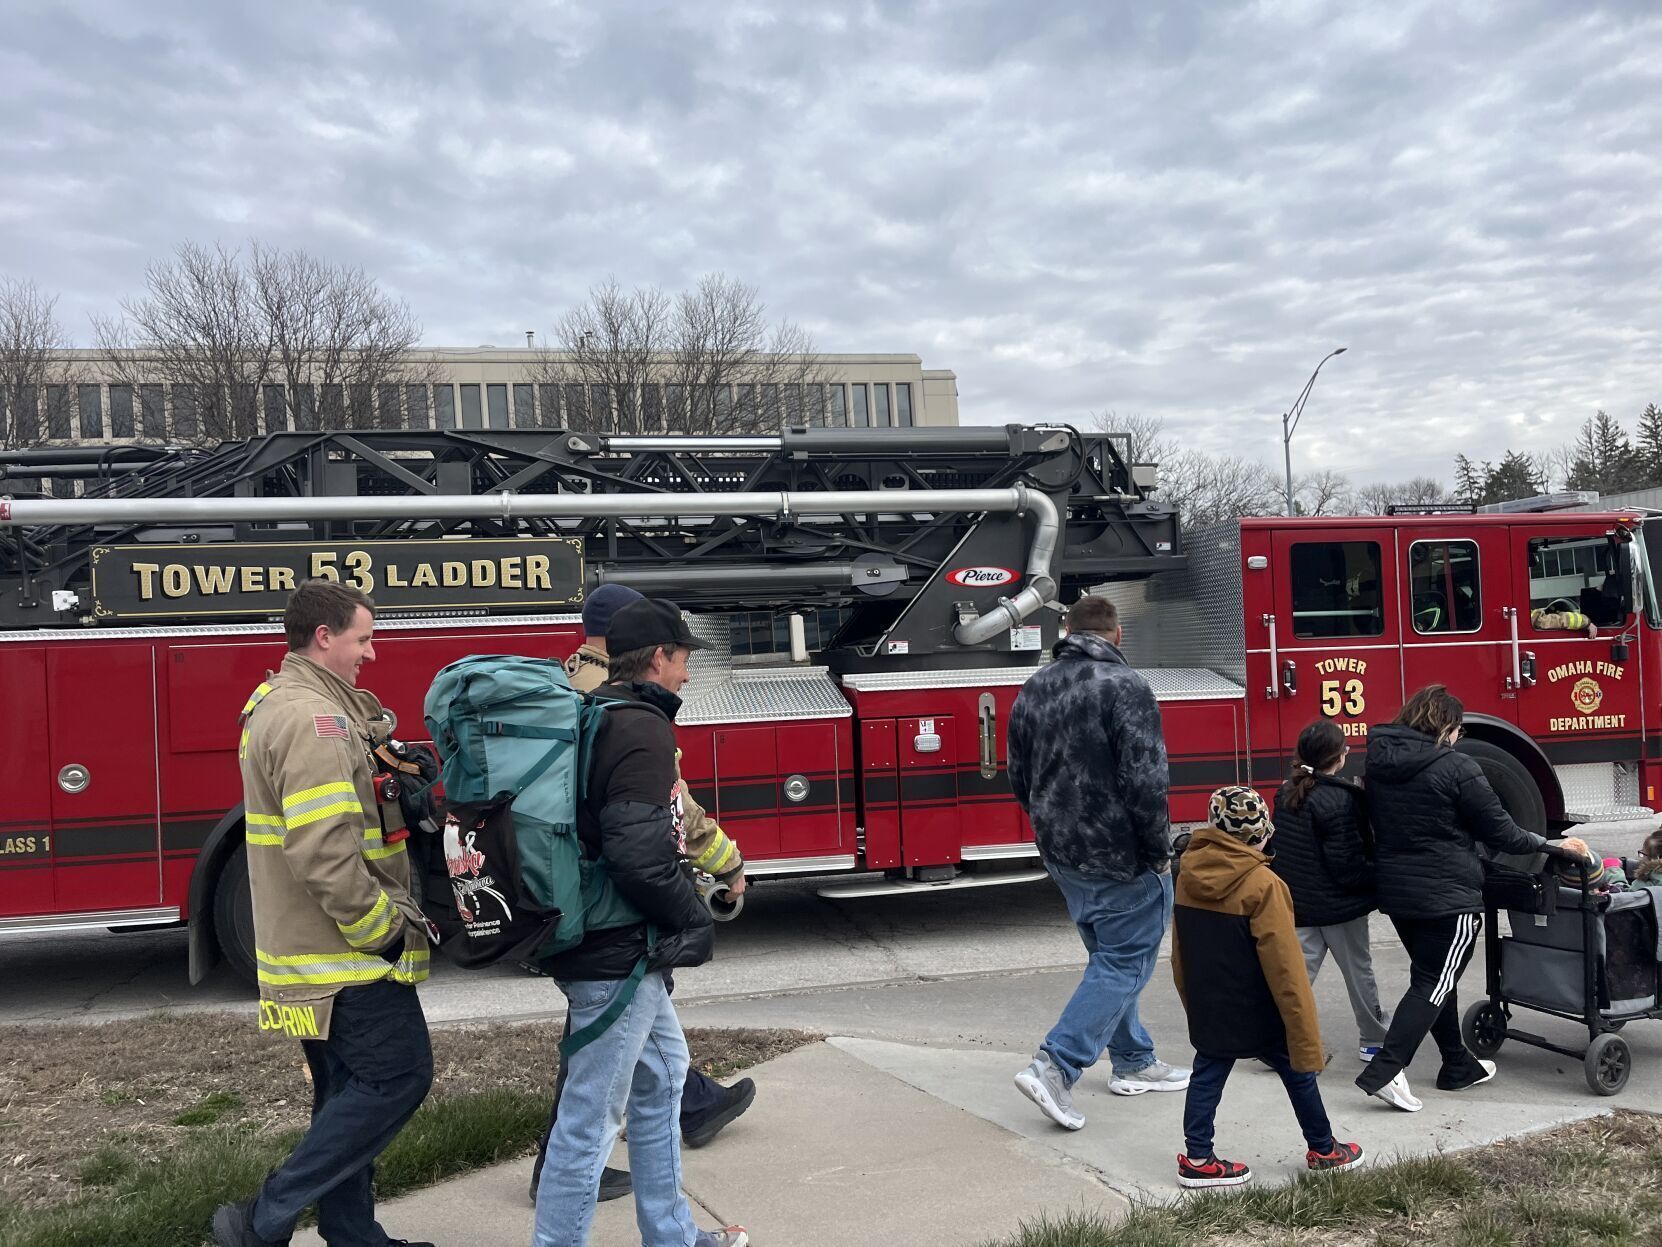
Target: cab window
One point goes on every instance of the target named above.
(1444, 587)
(1337, 589)
(1570, 576)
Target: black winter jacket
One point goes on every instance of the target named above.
(632, 821)
(1323, 852)
(1088, 762)
(1430, 807)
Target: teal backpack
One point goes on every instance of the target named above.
(516, 743)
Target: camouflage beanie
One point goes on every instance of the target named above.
(1241, 813)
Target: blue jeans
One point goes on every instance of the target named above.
(636, 1067)
(1200, 1109)
(368, 1079)
(1122, 925)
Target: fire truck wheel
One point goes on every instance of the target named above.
(234, 915)
(1512, 783)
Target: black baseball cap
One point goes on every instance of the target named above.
(649, 622)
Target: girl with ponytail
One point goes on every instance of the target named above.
(1323, 851)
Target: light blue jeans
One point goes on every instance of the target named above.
(1122, 925)
(637, 1066)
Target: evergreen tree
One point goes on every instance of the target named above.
(1517, 476)
(1468, 479)
(1602, 457)
(1649, 452)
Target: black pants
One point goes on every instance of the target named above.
(368, 1079)
(1439, 949)
(699, 1094)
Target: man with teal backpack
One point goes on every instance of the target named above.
(629, 823)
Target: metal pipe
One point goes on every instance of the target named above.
(506, 506)
(1040, 587)
(727, 575)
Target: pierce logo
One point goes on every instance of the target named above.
(982, 577)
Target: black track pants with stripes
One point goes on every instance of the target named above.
(1438, 952)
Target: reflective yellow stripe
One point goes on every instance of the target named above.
(373, 926)
(322, 790)
(319, 813)
(264, 820)
(254, 820)
(719, 856)
(343, 955)
(389, 850)
(263, 837)
(325, 978)
(257, 696)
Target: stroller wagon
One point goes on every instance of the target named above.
(1574, 953)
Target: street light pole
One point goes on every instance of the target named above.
(1290, 419)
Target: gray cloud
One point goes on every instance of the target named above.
(1169, 209)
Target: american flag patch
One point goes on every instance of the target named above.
(331, 725)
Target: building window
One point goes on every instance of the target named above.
(577, 409)
(902, 405)
(837, 409)
(795, 411)
(862, 418)
(360, 405)
(305, 407)
(525, 407)
(153, 412)
(245, 410)
(879, 406)
(184, 411)
(121, 411)
(652, 407)
(496, 403)
(548, 398)
(333, 398)
(415, 406)
(1444, 590)
(91, 399)
(276, 409)
(389, 410)
(1337, 589)
(444, 406)
(600, 409)
(57, 413)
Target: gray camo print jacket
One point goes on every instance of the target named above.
(1088, 762)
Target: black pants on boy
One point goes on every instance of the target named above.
(1439, 949)
(368, 1079)
(1200, 1106)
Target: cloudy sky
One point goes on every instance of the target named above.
(1169, 208)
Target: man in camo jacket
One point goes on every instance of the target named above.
(1088, 764)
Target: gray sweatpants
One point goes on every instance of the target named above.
(1348, 942)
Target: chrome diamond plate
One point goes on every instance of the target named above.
(1192, 617)
(1190, 684)
(893, 681)
(770, 694)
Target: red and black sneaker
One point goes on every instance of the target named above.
(1342, 1156)
(1211, 1172)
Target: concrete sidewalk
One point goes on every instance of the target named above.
(833, 1152)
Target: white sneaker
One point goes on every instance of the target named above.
(1155, 1076)
(1396, 1094)
(1042, 1083)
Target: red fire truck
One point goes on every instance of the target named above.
(927, 563)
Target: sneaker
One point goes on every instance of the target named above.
(1211, 1172)
(1340, 1157)
(1368, 1052)
(1396, 1094)
(1155, 1076)
(1479, 1071)
(697, 1131)
(1042, 1083)
(729, 1236)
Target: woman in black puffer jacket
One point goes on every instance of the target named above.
(1322, 852)
(1430, 808)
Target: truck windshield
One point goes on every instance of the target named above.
(1649, 555)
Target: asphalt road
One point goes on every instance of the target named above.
(789, 943)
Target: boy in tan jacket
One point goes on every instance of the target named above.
(1240, 972)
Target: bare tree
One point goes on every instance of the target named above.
(31, 346)
(1208, 488)
(220, 328)
(1378, 498)
(708, 360)
(1323, 493)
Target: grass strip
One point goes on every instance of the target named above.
(169, 1202)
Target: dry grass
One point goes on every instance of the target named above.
(81, 1106)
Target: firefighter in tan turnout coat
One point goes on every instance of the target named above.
(706, 1106)
(339, 943)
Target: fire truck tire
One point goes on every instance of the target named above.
(1512, 783)
(234, 915)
